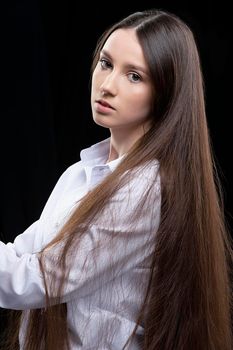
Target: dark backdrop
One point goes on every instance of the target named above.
(46, 51)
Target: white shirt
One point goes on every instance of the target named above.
(105, 291)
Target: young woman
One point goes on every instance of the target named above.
(131, 249)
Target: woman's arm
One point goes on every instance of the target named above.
(31, 240)
(105, 252)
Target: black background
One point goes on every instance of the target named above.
(46, 53)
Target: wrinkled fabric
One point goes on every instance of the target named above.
(104, 289)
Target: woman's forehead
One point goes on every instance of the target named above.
(123, 46)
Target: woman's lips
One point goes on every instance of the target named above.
(104, 103)
(103, 107)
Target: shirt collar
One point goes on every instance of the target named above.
(98, 153)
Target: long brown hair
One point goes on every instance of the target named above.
(187, 304)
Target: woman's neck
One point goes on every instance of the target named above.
(121, 142)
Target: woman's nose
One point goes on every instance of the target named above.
(109, 85)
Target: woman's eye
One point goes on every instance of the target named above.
(134, 77)
(105, 64)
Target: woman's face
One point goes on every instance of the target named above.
(121, 92)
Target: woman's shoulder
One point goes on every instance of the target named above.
(72, 173)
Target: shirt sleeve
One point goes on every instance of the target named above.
(24, 243)
(115, 243)
(31, 240)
